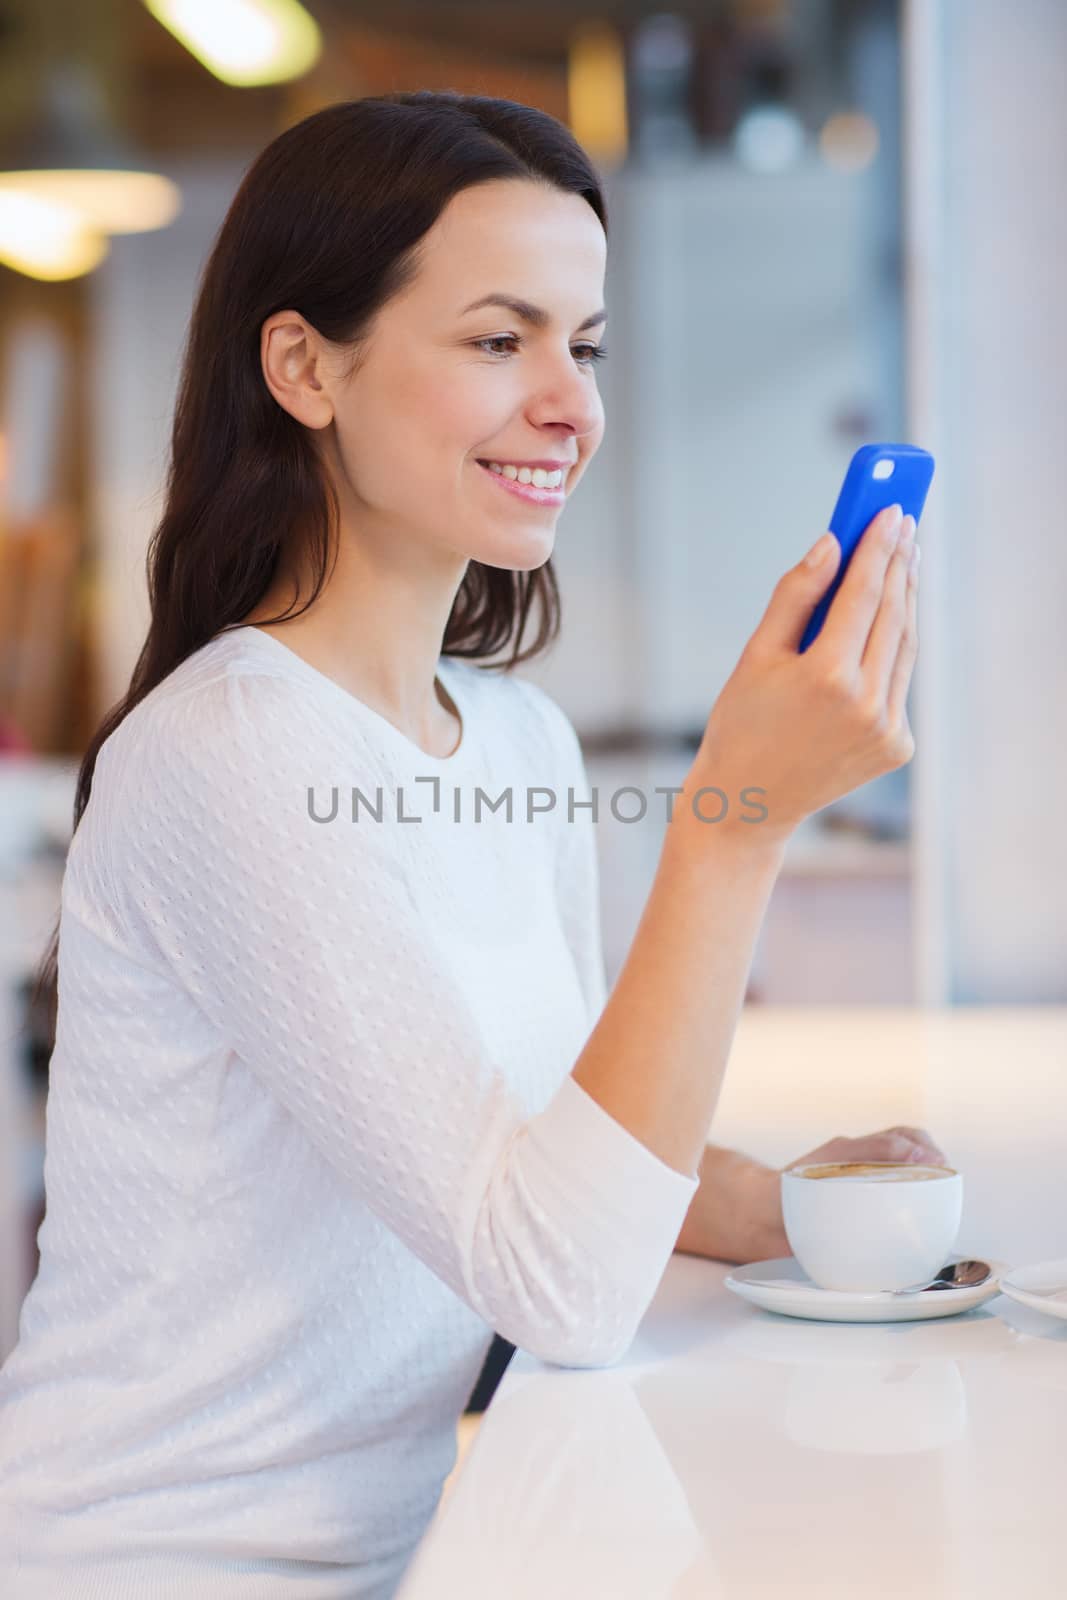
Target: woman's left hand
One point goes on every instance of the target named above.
(901, 1144)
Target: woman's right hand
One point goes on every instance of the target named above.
(807, 729)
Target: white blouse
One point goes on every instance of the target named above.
(311, 1134)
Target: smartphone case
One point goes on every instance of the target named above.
(908, 472)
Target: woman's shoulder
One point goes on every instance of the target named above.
(220, 710)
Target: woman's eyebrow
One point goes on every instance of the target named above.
(530, 313)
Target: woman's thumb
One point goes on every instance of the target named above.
(799, 592)
(819, 552)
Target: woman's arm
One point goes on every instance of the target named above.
(736, 1213)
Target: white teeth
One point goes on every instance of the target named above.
(537, 475)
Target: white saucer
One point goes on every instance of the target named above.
(783, 1285)
(1043, 1285)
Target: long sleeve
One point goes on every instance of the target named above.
(300, 944)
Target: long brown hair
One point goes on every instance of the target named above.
(326, 222)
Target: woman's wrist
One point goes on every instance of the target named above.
(705, 814)
(770, 1240)
(749, 846)
(736, 1213)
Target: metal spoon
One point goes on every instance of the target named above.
(956, 1275)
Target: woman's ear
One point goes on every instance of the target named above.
(291, 356)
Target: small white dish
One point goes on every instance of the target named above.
(782, 1285)
(1042, 1285)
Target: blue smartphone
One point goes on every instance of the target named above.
(878, 475)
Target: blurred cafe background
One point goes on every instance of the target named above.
(832, 222)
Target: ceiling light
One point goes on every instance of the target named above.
(244, 42)
(71, 158)
(45, 240)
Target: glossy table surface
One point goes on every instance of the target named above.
(738, 1453)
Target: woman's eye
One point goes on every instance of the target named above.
(592, 352)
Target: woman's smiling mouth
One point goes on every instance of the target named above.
(537, 491)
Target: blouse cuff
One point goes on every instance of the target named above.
(624, 1203)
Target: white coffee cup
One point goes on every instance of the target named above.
(871, 1225)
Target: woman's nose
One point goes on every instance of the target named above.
(573, 401)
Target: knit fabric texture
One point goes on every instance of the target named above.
(311, 1133)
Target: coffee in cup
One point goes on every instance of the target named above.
(864, 1226)
(878, 1171)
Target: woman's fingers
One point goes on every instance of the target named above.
(843, 637)
(912, 1137)
(909, 648)
(890, 625)
(900, 1143)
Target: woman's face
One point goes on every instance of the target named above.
(441, 389)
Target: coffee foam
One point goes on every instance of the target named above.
(873, 1171)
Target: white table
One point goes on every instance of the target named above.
(735, 1453)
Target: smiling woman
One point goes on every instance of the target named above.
(330, 1104)
(311, 1135)
(333, 396)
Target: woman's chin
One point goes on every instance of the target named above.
(521, 553)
